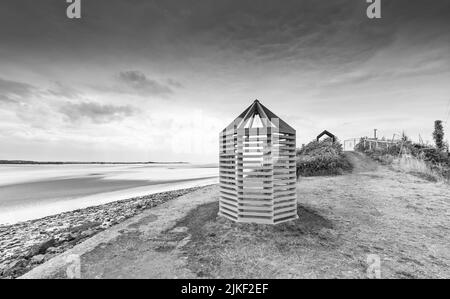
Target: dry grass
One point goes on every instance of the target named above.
(304, 248)
(342, 219)
(416, 166)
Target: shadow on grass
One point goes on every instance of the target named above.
(218, 244)
(309, 221)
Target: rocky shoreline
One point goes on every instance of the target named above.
(25, 245)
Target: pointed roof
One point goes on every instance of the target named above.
(325, 132)
(258, 116)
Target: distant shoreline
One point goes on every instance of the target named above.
(74, 162)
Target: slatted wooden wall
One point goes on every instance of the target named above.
(257, 170)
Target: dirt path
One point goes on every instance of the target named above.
(402, 219)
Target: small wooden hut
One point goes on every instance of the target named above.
(257, 168)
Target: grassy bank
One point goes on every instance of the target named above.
(322, 158)
(342, 220)
(405, 156)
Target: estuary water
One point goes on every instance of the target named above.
(34, 191)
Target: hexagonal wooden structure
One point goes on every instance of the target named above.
(257, 168)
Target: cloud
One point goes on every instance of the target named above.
(321, 60)
(419, 65)
(174, 83)
(15, 92)
(95, 112)
(61, 90)
(138, 82)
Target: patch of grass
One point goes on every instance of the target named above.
(415, 166)
(220, 248)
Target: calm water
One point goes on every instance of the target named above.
(34, 191)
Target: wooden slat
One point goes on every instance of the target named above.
(257, 169)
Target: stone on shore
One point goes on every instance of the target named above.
(37, 259)
(41, 247)
(25, 245)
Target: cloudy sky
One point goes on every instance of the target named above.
(157, 80)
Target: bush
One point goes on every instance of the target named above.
(321, 158)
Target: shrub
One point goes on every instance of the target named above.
(321, 158)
